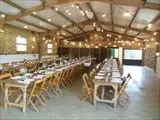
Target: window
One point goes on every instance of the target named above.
(133, 54)
(21, 44)
(49, 48)
(114, 53)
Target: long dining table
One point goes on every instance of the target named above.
(22, 82)
(108, 75)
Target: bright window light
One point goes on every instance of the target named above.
(21, 44)
(49, 48)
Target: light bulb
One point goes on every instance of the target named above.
(56, 9)
(127, 13)
(25, 26)
(34, 13)
(149, 25)
(103, 15)
(3, 16)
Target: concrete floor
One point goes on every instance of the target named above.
(144, 92)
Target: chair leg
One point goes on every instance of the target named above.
(85, 98)
(63, 85)
(40, 100)
(34, 107)
(47, 93)
(43, 98)
(52, 88)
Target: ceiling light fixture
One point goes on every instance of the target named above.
(34, 13)
(3, 16)
(127, 13)
(103, 15)
(149, 25)
(26, 26)
(86, 11)
(56, 9)
(64, 26)
(155, 33)
(1, 31)
(72, 5)
(67, 10)
(77, 7)
(69, 13)
(49, 19)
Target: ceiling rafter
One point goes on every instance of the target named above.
(94, 15)
(111, 9)
(90, 22)
(155, 19)
(67, 18)
(36, 16)
(83, 11)
(105, 31)
(55, 2)
(134, 16)
(53, 24)
(31, 24)
(14, 5)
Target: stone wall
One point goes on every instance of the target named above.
(150, 56)
(8, 40)
(35, 44)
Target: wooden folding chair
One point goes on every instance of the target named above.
(88, 88)
(122, 89)
(35, 92)
(55, 85)
(48, 85)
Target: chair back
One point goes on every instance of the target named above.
(36, 88)
(5, 76)
(124, 84)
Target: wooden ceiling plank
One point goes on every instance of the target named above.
(13, 5)
(67, 18)
(105, 32)
(83, 11)
(90, 22)
(31, 24)
(155, 19)
(134, 16)
(94, 15)
(55, 2)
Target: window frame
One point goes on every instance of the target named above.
(49, 48)
(21, 44)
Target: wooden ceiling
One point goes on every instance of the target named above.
(71, 18)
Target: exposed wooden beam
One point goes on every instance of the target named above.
(36, 16)
(155, 19)
(83, 11)
(67, 18)
(43, 1)
(13, 4)
(53, 24)
(134, 16)
(31, 24)
(111, 10)
(44, 20)
(94, 15)
(90, 22)
(126, 27)
(135, 3)
(105, 32)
